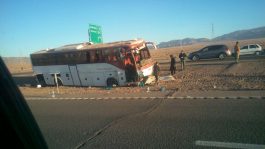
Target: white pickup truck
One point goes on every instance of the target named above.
(251, 49)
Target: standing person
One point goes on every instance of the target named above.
(172, 65)
(237, 51)
(182, 57)
(156, 70)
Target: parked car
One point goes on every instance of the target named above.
(213, 51)
(251, 49)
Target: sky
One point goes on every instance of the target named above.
(27, 26)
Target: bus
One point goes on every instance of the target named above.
(87, 64)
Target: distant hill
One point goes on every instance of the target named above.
(186, 41)
(237, 35)
(243, 34)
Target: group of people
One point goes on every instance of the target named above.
(182, 57)
(173, 64)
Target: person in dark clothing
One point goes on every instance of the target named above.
(172, 65)
(156, 71)
(182, 57)
(237, 52)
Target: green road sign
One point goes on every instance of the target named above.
(95, 34)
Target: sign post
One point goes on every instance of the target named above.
(95, 33)
(56, 81)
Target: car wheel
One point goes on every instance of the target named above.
(221, 56)
(195, 58)
(112, 82)
(257, 53)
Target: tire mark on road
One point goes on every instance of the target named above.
(153, 107)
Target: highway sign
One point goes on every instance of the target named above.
(95, 33)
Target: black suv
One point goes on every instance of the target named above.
(213, 51)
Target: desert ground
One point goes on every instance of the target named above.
(164, 53)
(198, 76)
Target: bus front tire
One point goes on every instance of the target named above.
(111, 82)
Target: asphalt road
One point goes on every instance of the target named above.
(150, 123)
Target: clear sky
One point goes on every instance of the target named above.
(27, 26)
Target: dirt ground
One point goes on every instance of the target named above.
(229, 76)
(247, 75)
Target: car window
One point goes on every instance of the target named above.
(205, 49)
(253, 46)
(215, 48)
(245, 47)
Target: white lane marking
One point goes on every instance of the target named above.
(229, 145)
(170, 97)
(210, 97)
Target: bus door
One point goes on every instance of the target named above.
(74, 75)
(130, 68)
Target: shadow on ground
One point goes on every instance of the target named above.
(25, 80)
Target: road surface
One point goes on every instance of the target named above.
(151, 123)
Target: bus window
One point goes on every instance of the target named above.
(92, 56)
(127, 59)
(105, 54)
(111, 55)
(144, 54)
(88, 57)
(116, 54)
(122, 53)
(136, 56)
(97, 56)
(81, 58)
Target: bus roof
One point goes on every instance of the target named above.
(89, 46)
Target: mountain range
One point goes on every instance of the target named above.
(236, 35)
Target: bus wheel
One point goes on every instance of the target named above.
(111, 82)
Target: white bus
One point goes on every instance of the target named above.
(87, 64)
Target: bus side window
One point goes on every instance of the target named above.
(88, 57)
(95, 56)
(92, 56)
(137, 57)
(98, 56)
(105, 55)
(122, 53)
(115, 55)
(142, 54)
(118, 54)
